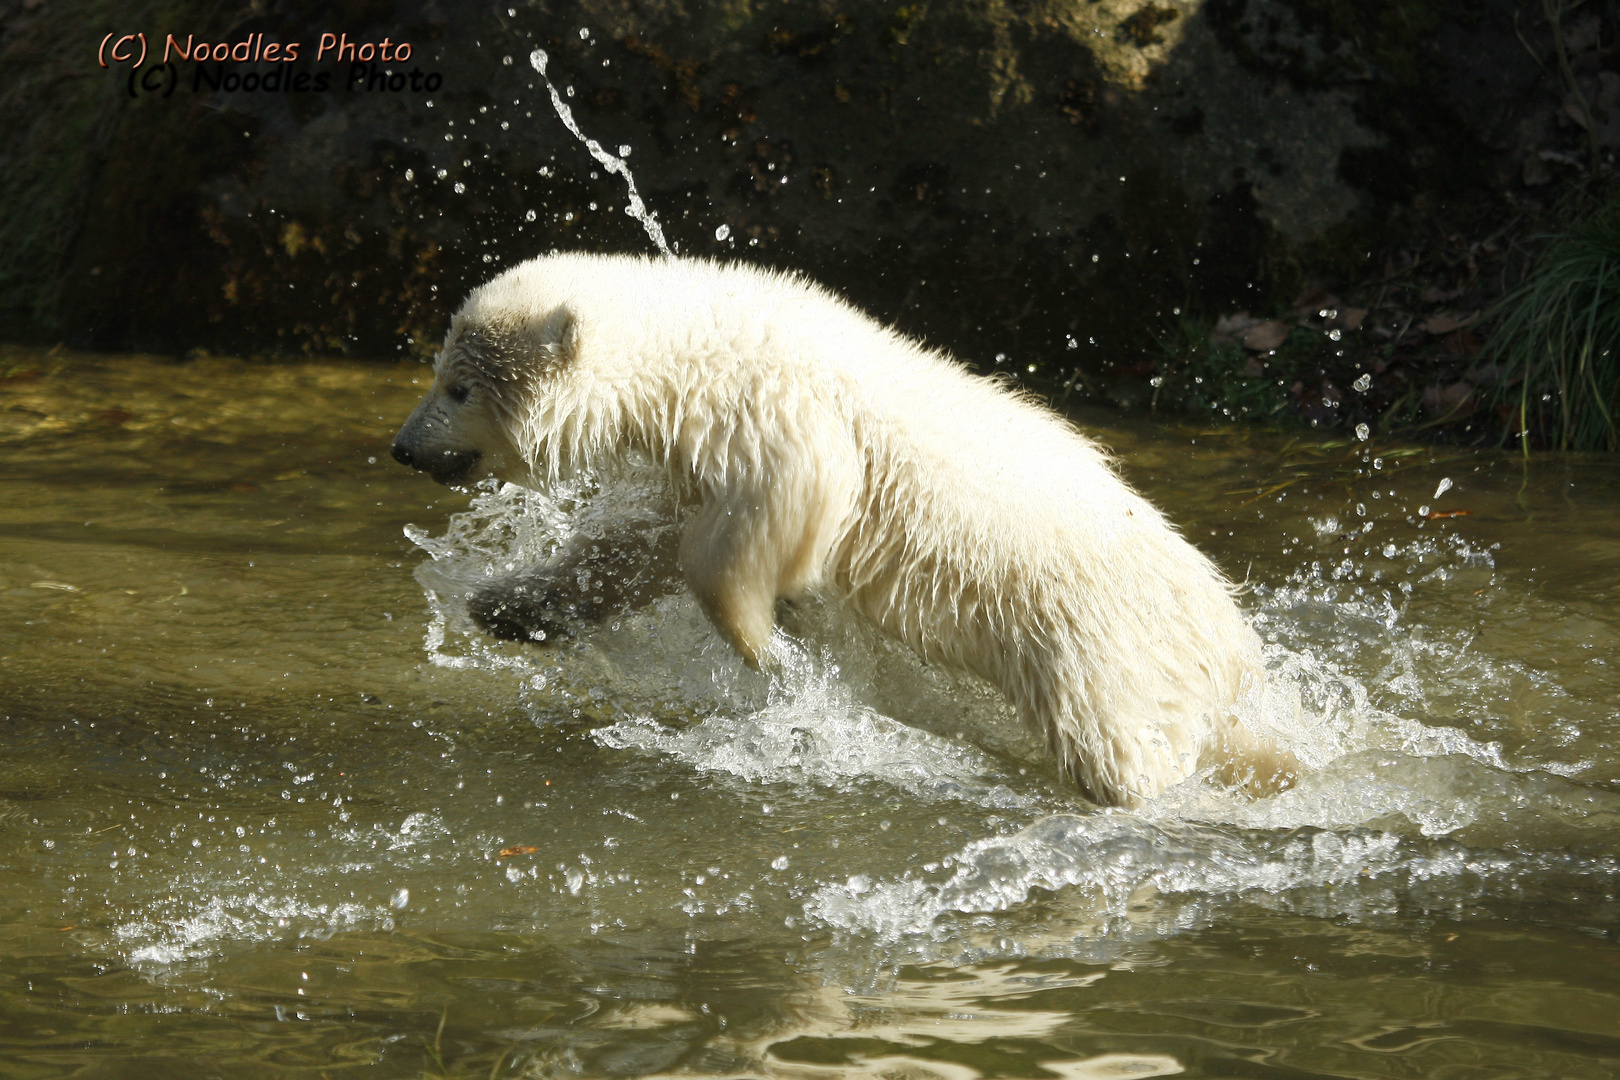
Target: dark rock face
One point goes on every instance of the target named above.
(1040, 180)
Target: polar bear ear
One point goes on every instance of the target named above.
(560, 336)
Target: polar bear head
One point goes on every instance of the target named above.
(495, 359)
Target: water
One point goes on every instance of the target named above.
(613, 163)
(270, 808)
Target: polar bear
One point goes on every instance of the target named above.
(819, 450)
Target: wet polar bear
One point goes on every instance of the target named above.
(821, 450)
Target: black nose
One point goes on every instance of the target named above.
(402, 455)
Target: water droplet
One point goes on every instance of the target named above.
(1363, 432)
(779, 863)
(401, 898)
(410, 174)
(1362, 384)
(1445, 486)
(529, 216)
(723, 232)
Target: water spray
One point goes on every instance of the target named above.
(613, 164)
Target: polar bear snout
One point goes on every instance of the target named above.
(425, 443)
(448, 467)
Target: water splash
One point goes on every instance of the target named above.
(229, 901)
(612, 163)
(1400, 805)
(1123, 879)
(813, 731)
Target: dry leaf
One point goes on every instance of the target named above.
(1232, 327)
(1266, 336)
(1454, 401)
(517, 849)
(1445, 324)
(1314, 300)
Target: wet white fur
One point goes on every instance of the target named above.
(826, 451)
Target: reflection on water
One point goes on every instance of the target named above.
(269, 806)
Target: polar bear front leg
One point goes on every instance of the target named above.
(585, 581)
(730, 565)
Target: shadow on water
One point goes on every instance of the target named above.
(270, 807)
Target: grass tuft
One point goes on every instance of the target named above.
(1557, 339)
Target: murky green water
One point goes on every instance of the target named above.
(259, 778)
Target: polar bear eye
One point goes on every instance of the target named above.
(458, 392)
